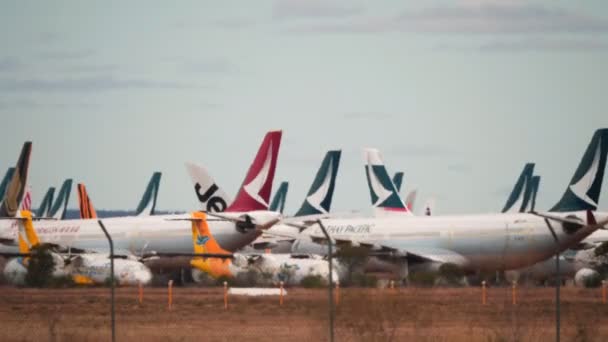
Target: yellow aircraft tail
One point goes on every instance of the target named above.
(204, 242)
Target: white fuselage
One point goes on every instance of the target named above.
(138, 235)
(475, 242)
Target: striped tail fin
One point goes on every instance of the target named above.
(26, 204)
(520, 195)
(583, 192)
(257, 186)
(60, 207)
(147, 205)
(87, 211)
(45, 206)
(384, 195)
(7, 178)
(319, 198)
(278, 201)
(16, 187)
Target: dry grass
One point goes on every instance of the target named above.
(363, 315)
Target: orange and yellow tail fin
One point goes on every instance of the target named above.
(87, 211)
(203, 243)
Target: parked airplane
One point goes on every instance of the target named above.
(244, 220)
(290, 269)
(384, 193)
(483, 242)
(15, 190)
(7, 178)
(84, 268)
(278, 201)
(146, 207)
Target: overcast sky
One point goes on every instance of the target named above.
(457, 94)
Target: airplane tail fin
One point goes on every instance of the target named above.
(278, 201)
(398, 180)
(257, 186)
(204, 242)
(45, 206)
(60, 207)
(583, 192)
(533, 191)
(318, 200)
(410, 199)
(518, 200)
(87, 211)
(16, 187)
(147, 205)
(26, 234)
(211, 197)
(7, 178)
(202, 239)
(384, 195)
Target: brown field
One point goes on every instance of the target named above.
(439, 314)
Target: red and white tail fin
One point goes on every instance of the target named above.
(26, 204)
(255, 191)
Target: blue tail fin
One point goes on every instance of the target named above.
(45, 205)
(583, 192)
(518, 200)
(318, 200)
(59, 208)
(278, 201)
(5, 181)
(15, 189)
(533, 191)
(398, 180)
(383, 191)
(147, 205)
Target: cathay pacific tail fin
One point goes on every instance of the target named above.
(278, 201)
(319, 197)
(583, 192)
(147, 205)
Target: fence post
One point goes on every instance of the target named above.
(225, 295)
(140, 293)
(170, 294)
(337, 292)
(331, 279)
(483, 293)
(604, 294)
(112, 284)
(514, 292)
(281, 293)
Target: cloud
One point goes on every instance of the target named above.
(84, 84)
(573, 45)
(218, 66)
(8, 64)
(67, 55)
(294, 9)
(468, 18)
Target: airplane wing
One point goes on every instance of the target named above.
(394, 249)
